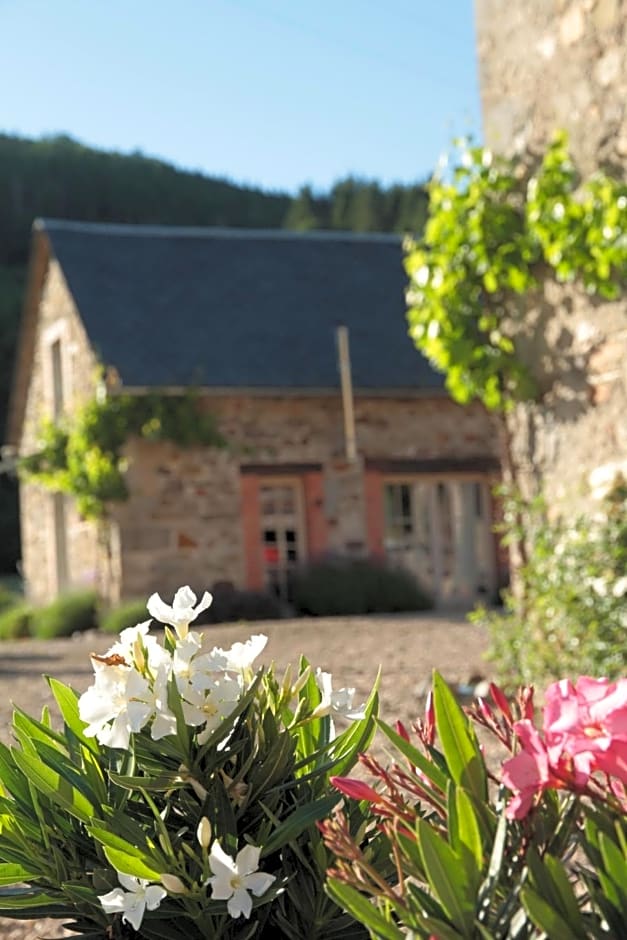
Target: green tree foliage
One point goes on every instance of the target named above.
(496, 229)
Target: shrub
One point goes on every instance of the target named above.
(343, 586)
(535, 850)
(68, 614)
(181, 797)
(9, 597)
(570, 613)
(126, 614)
(231, 604)
(15, 621)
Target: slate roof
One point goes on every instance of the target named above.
(235, 308)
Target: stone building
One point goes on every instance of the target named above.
(249, 319)
(548, 65)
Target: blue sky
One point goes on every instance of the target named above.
(272, 92)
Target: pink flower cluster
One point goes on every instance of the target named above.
(584, 733)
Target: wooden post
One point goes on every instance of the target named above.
(347, 393)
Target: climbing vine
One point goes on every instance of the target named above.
(497, 228)
(83, 455)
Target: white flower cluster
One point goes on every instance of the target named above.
(132, 679)
(232, 880)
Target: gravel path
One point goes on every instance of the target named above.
(407, 647)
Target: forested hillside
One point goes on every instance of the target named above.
(59, 178)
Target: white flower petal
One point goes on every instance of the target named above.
(159, 610)
(221, 864)
(134, 910)
(113, 902)
(258, 882)
(131, 883)
(247, 860)
(240, 904)
(184, 599)
(154, 896)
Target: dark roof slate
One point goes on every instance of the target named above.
(234, 308)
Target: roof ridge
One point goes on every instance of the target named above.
(129, 229)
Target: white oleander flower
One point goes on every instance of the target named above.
(210, 706)
(338, 703)
(182, 612)
(241, 656)
(193, 668)
(135, 638)
(115, 704)
(132, 903)
(122, 701)
(233, 879)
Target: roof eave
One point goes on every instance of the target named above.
(279, 391)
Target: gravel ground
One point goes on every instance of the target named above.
(407, 647)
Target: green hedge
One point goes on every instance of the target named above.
(68, 614)
(126, 614)
(15, 621)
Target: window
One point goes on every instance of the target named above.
(282, 533)
(398, 510)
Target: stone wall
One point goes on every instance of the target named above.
(184, 520)
(58, 320)
(546, 65)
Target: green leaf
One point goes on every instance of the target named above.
(363, 910)
(306, 815)
(130, 864)
(447, 877)
(465, 831)
(11, 874)
(544, 916)
(26, 900)
(67, 701)
(459, 742)
(54, 786)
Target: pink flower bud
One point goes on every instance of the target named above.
(356, 789)
(429, 719)
(401, 730)
(500, 700)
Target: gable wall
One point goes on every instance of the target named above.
(57, 318)
(192, 513)
(545, 65)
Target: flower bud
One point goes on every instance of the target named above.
(302, 680)
(203, 833)
(139, 656)
(173, 884)
(499, 699)
(356, 789)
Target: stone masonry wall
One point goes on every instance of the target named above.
(183, 523)
(546, 65)
(58, 320)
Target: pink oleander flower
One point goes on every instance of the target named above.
(588, 722)
(529, 772)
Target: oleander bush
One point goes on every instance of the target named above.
(354, 586)
(534, 849)
(179, 796)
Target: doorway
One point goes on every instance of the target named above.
(440, 530)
